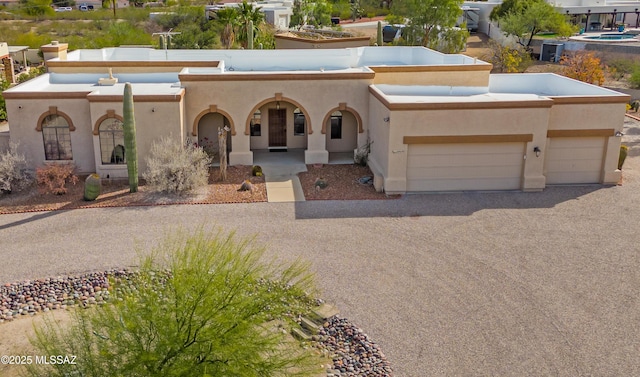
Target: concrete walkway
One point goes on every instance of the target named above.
(281, 172)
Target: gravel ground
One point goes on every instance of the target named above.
(499, 283)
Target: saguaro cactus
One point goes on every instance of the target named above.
(250, 35)
(379, 35)
(129, 126)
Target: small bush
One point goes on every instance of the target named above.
(583, 66)
(14, 173)
(624, 150)
(53, 178)
(622, 66)
(634, 79)
(175, 168)
(256, 171)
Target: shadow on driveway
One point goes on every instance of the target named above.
(443, 204)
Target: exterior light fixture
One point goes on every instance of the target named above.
(153, 109)
(537, 151)
(277, 105)
(386, 119)
(619, 134)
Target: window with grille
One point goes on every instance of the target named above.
(111, 136)
(299, 122)
(336, 125)
(255, 124)
(56, 138)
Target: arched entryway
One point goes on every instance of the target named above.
(210, 126)
(278, 125)
(341, 127)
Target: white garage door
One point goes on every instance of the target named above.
(469, 166)
(574, 160)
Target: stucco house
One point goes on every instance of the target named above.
(436, 122)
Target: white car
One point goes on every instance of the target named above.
(64, 9)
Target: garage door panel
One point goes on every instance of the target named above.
(465, 171)
(574, 160)
(460, 167)
(506, 159)
(467, 184)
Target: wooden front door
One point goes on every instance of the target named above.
(277, 128)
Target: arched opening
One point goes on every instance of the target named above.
(341, 132)
(210, 126)
(278, 126)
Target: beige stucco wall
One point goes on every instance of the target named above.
(378, 131)
(452, 77)
(164, 120)
(4, 141)
(581, 116)
(24, 114)
(239, 98)
(464, 122)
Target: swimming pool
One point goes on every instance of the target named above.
(611, 37)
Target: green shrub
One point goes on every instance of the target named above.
(634, 79)
(623, 66)
(174, 168)
(624, 150)
(201, 305)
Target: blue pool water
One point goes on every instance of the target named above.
(612, 36)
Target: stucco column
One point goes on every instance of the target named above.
(241, 153)
(533, 175)
(611, 174)
(316, 152)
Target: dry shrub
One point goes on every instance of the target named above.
(53, 177)
(14, 172)
(175, 168)
(584, 66)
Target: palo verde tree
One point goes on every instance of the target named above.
(129, 127)
(524, 20)
(431, 23)
(203, 304)
(306, 12)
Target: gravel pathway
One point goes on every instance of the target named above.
(505, 283)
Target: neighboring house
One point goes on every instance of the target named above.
(276, 13)
(436, 122)
(591, 15)
(324, 39)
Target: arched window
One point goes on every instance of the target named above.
(336, 125)
(111, 136)
(299, 122)
(56, 137)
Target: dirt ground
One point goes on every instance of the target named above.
(15, 337)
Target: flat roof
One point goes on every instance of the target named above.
(269, 61)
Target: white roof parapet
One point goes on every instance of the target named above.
(283, 60)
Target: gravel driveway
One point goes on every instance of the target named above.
(482, 284)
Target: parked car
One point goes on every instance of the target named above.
(63, 9)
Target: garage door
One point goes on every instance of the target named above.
(468, 166)
(574, 160)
